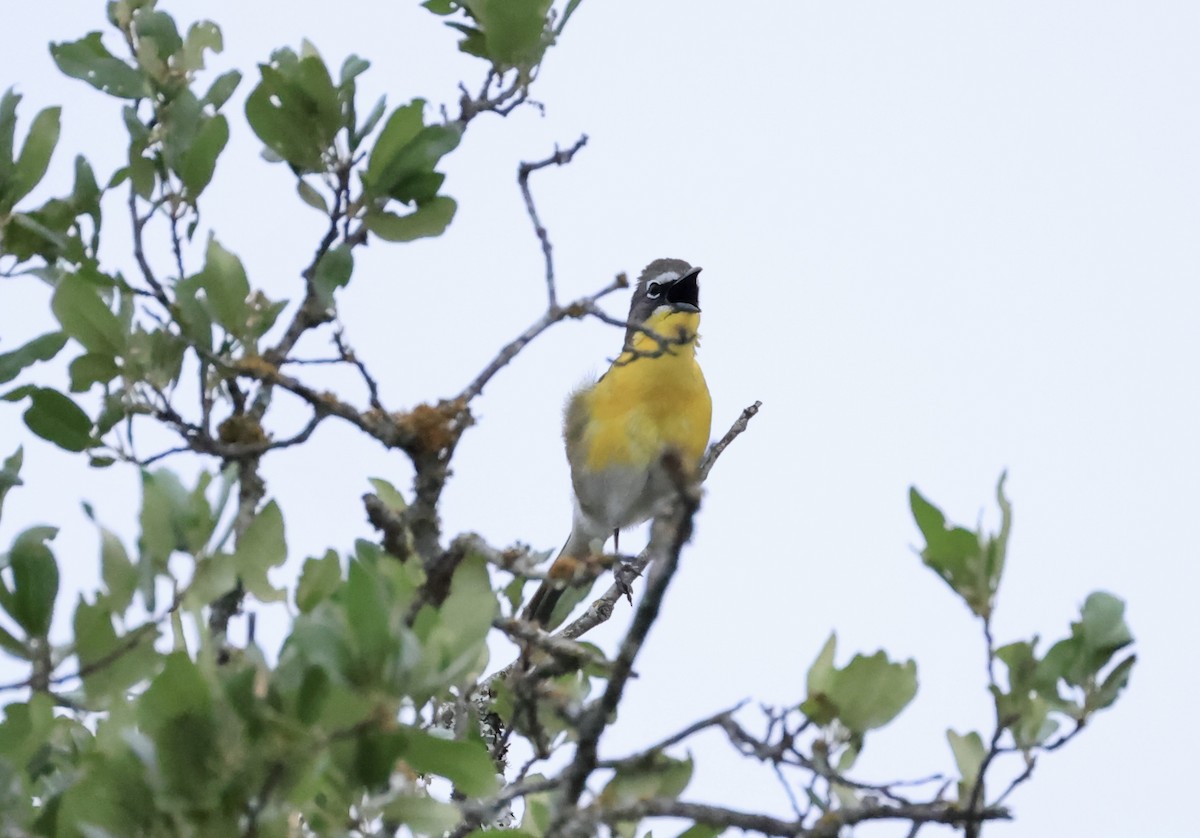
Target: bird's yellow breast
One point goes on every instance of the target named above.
(653, 398)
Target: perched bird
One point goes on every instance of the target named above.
(652, 400)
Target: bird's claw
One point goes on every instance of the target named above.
(623, 577)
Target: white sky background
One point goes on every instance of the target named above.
(940, 240)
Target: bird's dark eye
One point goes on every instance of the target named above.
(654, 290)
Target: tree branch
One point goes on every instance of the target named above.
(829, 825)
(558, 158)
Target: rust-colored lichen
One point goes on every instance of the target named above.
(431, 429)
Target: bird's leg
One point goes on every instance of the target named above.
(622, 575)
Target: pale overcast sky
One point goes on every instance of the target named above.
(939, 240)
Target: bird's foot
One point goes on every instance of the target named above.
(623, 576)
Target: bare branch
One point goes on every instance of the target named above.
(717, 448)
(552, 316)
(349, 356)
(714, 720)
(139, 250)
(574, 654)
(829, 825)
(558, 158)
(506, 99)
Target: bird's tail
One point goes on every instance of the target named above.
(541, 607)
(562, 570)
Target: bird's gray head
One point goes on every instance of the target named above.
(671, 283)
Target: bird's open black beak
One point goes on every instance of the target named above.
(684, 293)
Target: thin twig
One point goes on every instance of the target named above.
(139, 251)
(715, 450)
(552, 316)
(674, 739)
(348, 355)
(558, 158)
(130, 641)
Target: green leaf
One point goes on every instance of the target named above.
(89, 369)
(224, 281)
(309, 195)
(1104, 695)
(294, 109)
(39, 349)
(400, 129)
(871, 691)
(406, 173)
(198, 162)
(111, 664)
(10, 473)
(332, 272)
(956, 554)
(1099, 634)
(139, 132)
(221, 89)
(368, 125)
(143, 174)
(389, 494)
(569, 10)
(171, 519)
(56, 418)
(215, 576)
(368, 615)
(159, 29)
(430, 219)
(515, 30)
(422, 814)
(455, 635)
(89, 60)
(820, 674)
(353, 67)
(35, 581)
(262, 547)
(112, 797)
(319, 579)
(868, 693)
(119, 574)
(8, 129)
(176, 711)
(27, 728)
(659, 776)
(202, 35)
(969, 754)
(263, 314)
(701, 830)
(473, 41)
(1102, 624)
(17, 648)
(192, 311)
(34, 159)
(179, 122)
(86, 317)
(466, 763)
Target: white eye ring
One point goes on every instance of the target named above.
(653, 291)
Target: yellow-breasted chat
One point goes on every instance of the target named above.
(653, 399)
